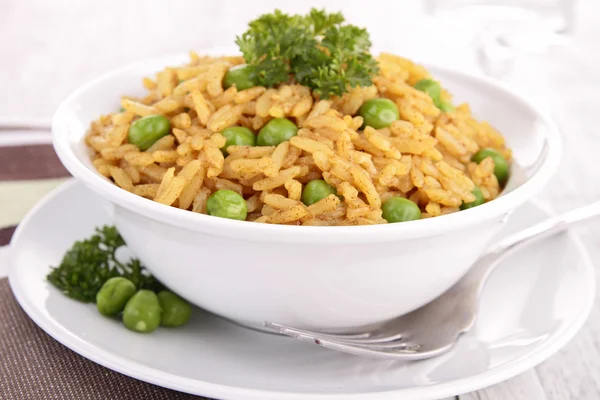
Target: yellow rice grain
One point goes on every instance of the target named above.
(250, 152)
(443, 197)
(280, 179)
(165, 156)
(117, 135)
(191, 189)
(166, 81)
(276, 159)
(170, 104)
(182, 121)
(180, 135)
(320, 108)
(363, 182)
(197, 142)
(97, 143)
(253, 202)
(164, 143)
(424, 156)
(324, 205)
(154, 172)
(294, 189)
(279, 201)
(121, 178)
(221, 183)
(214, 77)
(224, 117)
(310, 145)
(248, 95)
(148, 190)
(183, 160)
(224, 98)
(249, 168)
(199, 203)
(138, 108)
(118, 153)
(201, 107)
(149, 83)
(132, 171)
(285, 215)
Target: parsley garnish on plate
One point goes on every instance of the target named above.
(317, 50)
(91, 262)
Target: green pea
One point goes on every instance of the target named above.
(431, 87)
(399, 209)
(237, 136)
(276, 131)
(122, 109)
(445, 106)
(434, 90)
(316, 190)
(501, 167)
(142, 312)
(479, 200)
(226, 203)
(147, 130)
(175, 310)
(379, 113)
(241, 76)
(113, 295)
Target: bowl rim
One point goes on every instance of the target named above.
(257, 232)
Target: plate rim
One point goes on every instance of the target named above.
(137, 370)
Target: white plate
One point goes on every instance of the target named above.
(532, 306)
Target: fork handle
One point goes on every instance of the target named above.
(475, 279)
(547, 228)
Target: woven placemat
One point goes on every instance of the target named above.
(35, 366)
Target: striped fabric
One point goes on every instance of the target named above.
(29, 168)
(33, 365)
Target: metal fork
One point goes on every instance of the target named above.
(434, 328)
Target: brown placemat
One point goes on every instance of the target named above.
(35, 366)
(6, 234)
(30, 162)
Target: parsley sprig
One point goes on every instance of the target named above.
(91, 262)
(317, 50)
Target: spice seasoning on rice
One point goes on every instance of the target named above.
(422, 154)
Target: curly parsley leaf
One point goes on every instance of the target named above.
(270, 43)
(319, 21)
(316, 50)
(89, 263)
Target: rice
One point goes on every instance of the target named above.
(425, 156)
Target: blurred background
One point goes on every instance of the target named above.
(50, 48)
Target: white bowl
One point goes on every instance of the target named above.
(333, 278)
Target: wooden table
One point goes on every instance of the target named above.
(50, 48)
